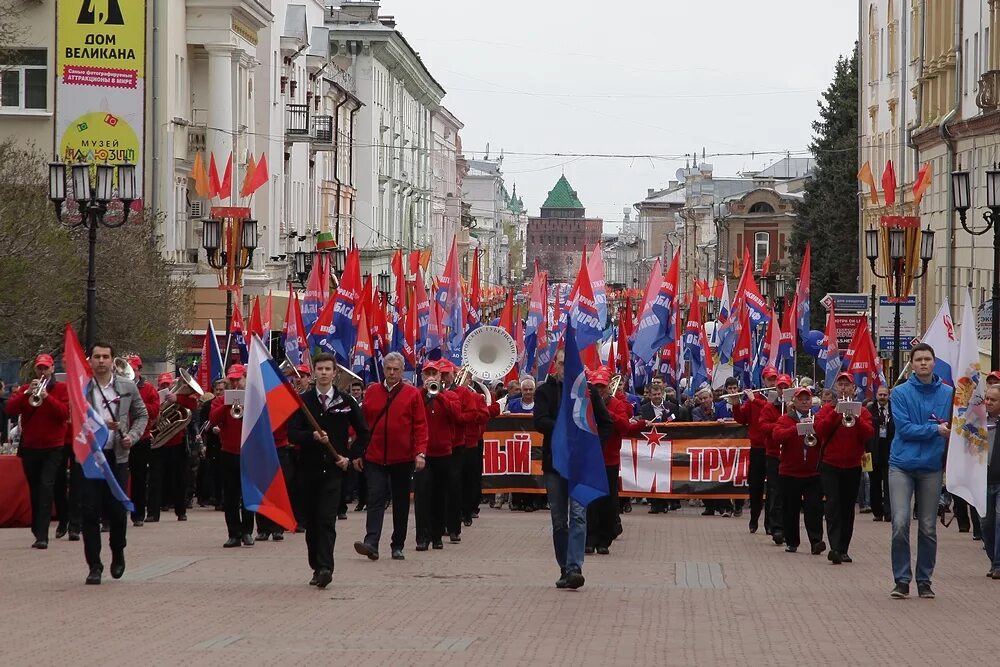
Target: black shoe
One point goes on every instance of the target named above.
(342, 516)
(475, 514)
(603, 551)
(60, 531)
(153, 519)
(454, 538)
(627, 508)
(727, 514)
(118, 565)
(359, 507)
(74, 537)
(315, 579)
(738, 513)
(263, 537)
(900, 591)
(818, 548)
(588, 550)
(924, 591)
(467, 523)
(277, 537)
(366, 550)
(561, 581)
(247, 540)
(790, 549)
(323, 578)
(421, 546)
(231, 542)
(846, 558)
(94, 578)
(877, 517)
(753, 527)
(397, 554)
(574, 580)
(437, 544)
(182, 517)
(137, 523)
(778, 538)
(835, 557)
(40, 544)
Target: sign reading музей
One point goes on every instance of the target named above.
(100, 81)
(678, 460)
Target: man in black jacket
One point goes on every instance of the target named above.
(569, 518)
(885, 430)
(324, 457)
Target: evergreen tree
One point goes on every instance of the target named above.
(828, 215)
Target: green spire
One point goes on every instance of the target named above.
(562, 195)
(515, 204)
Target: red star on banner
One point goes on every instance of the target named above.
(653, 437)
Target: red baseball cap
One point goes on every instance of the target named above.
(304, 369)
(769, 372)
(844, 375)
(236, 371)
(164, 378)
(135, 361)
(44, 360)
(994, 375)
(446, 366)
(785, 380)
(803, 390)
(600, 376)
(432, 365)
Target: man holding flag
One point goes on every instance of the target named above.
(573, 421)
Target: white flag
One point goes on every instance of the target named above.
(968, 446)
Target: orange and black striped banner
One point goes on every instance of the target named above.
(676, 460)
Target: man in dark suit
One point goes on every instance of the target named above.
(885, 429)
(659, 409)
(324, 458)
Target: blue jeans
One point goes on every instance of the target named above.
(903, 486)
(991, 525)
(864, 491)
(569, 524)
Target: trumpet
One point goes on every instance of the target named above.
(809, 439)
(35, 398)
(848, 418)
(433, 387)
(236, 411)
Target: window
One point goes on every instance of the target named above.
(24, 83)
(762, 248)
(761, 207)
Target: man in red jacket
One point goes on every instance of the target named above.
(168, 464)
(769, 415)
(43, 433)
(801, 489)
(239, 522)
(840, 466)
(139, 460)
(472, 410)
(602, 514)
(431, 484)
(394, 411)
(748, 413)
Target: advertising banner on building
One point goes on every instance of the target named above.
(678, 460)
(101, 81)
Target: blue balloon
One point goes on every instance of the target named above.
(811, 342)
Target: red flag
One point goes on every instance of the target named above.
(623, 352)
(474, 293)
(256, 326)
(226, 188)
(214, 185)
(248, 176)
(862, 354)
(765, 268)
(414, 261)
(259, 178)
(889, 183)
(507, 314)
(922, 182)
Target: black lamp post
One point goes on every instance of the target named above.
(779, 297)
(232, 257)
(303, 265)
(897, 271)
(960, 188)
(93, 203)
(383, 285)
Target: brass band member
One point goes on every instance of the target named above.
(229, 427)
(748, 412)
(768, 418)
(431, 484)
(139, 460)
(801, 490)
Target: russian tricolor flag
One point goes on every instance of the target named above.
(269, 401)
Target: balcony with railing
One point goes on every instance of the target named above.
(301, 125)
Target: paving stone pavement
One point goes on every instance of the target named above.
(677, 589)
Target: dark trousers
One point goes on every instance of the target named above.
(841, 488)
(321, 495)
(40, 469)
(963, 512)
(602, 514)
(756, 478)
(138, 464)
(296, 487)
(382, 480)
(239, 521)
(453, 497)
(472, 480)
(66, 491)
(209, 479)
(265, 525)
(168, 466)
(805, 495)
(430, 497)
(879, 480)
(774, 509)
(96, 503)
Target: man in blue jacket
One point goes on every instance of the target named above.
(921, 409)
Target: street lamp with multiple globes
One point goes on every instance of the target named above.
(897, 271)
(93, 203)
(229, 244)
(962, 196)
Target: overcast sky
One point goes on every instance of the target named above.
(538, 77)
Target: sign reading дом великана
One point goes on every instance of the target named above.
(101, 81)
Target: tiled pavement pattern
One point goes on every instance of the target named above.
(678, 589)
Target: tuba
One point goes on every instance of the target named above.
(123, 369)
(174, 418)
(488, 353)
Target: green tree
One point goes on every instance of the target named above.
(828, 214)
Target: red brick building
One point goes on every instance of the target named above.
(558, 235)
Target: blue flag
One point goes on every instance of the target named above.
(576, 447)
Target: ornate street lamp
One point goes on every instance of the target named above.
(229, 245)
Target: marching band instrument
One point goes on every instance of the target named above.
(743, 393)
(806, 429)
(849, 411)
(616, 383)
(236, 411)
(488, 353)
(433, 387)
(123, 369)
(35, 398)
(174, 418)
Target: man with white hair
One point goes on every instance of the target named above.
(525, 402)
